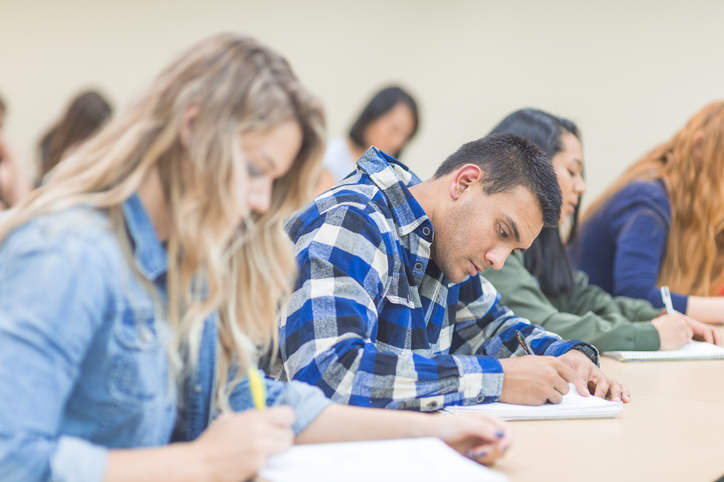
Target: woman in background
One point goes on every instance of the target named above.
(84, 117)
(662, 223)
(15, 183)
(542, 284)
(388, 122)
(158, 250)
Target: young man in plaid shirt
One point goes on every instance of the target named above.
(390, 309)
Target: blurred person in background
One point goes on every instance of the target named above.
(86, 114)
(662, 223)
(14, 181)
(388, 122)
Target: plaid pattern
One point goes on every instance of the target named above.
(374, 322)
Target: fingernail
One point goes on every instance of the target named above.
(505, 448)
(499, 434)
(473, 455)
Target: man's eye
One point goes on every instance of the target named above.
(502, 233)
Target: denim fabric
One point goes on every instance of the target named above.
(83, 352)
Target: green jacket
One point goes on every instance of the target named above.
(586, 313)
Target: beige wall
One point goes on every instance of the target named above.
(630, 73)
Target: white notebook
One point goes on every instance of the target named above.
(414, 460)
(696, 350)
(573, 406)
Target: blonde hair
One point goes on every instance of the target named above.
(693, 174)
(237, 86)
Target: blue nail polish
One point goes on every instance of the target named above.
(481, 454)
(499, 434)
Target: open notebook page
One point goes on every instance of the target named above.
(573, 406)
(696, 350)
(414, 460)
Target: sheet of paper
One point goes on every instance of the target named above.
(414, 460)
(573, 406)
(696, 350)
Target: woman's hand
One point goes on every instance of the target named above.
(236, 445)
(674, 331)
(481, 437)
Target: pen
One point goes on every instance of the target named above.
(257, 387)
(521, 340)
(666, 297)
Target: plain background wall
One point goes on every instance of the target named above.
(629, 73)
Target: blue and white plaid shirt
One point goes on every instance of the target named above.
(374, 322)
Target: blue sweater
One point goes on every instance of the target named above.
(622, 246)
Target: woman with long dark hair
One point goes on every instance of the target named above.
(543, 285)
(389, 121)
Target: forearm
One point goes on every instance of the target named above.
(706, 309)
(176, 462)
(366, 424)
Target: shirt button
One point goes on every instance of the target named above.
(480, 398)
(197, 388)
(145, 334)
(418, 266)
(426, 231)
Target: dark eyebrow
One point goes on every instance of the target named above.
(513, 226)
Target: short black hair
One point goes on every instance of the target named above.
(383, 102)
(546, 259)
(508, 161)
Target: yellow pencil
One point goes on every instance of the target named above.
(257, 387)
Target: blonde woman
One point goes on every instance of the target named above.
(662, 223)
(138, 283)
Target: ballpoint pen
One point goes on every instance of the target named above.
(666, 297)
(521, 340)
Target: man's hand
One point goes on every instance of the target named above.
(535, 380)
(591, 380)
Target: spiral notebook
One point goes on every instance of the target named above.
(573, 406)
(413, 460)
(696, 350)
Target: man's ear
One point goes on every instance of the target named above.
(698, 143)
(186, 130)
(463, 179)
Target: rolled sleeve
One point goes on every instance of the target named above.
(306, 400)
(77, 460)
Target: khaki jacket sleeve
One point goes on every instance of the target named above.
(586, 313)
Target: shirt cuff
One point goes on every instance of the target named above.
(76, 459)
(308, 402)
(646, 337)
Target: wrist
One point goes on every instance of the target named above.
(196, 464)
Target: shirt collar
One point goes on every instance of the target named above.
(394, 179)
(148, 251)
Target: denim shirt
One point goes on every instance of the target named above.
(84, 356)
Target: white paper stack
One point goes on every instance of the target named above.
(696, 350)
(573, 406)
(414, 460)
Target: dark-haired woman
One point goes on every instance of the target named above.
(542, 284)
(388, 122)
(86, 114)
